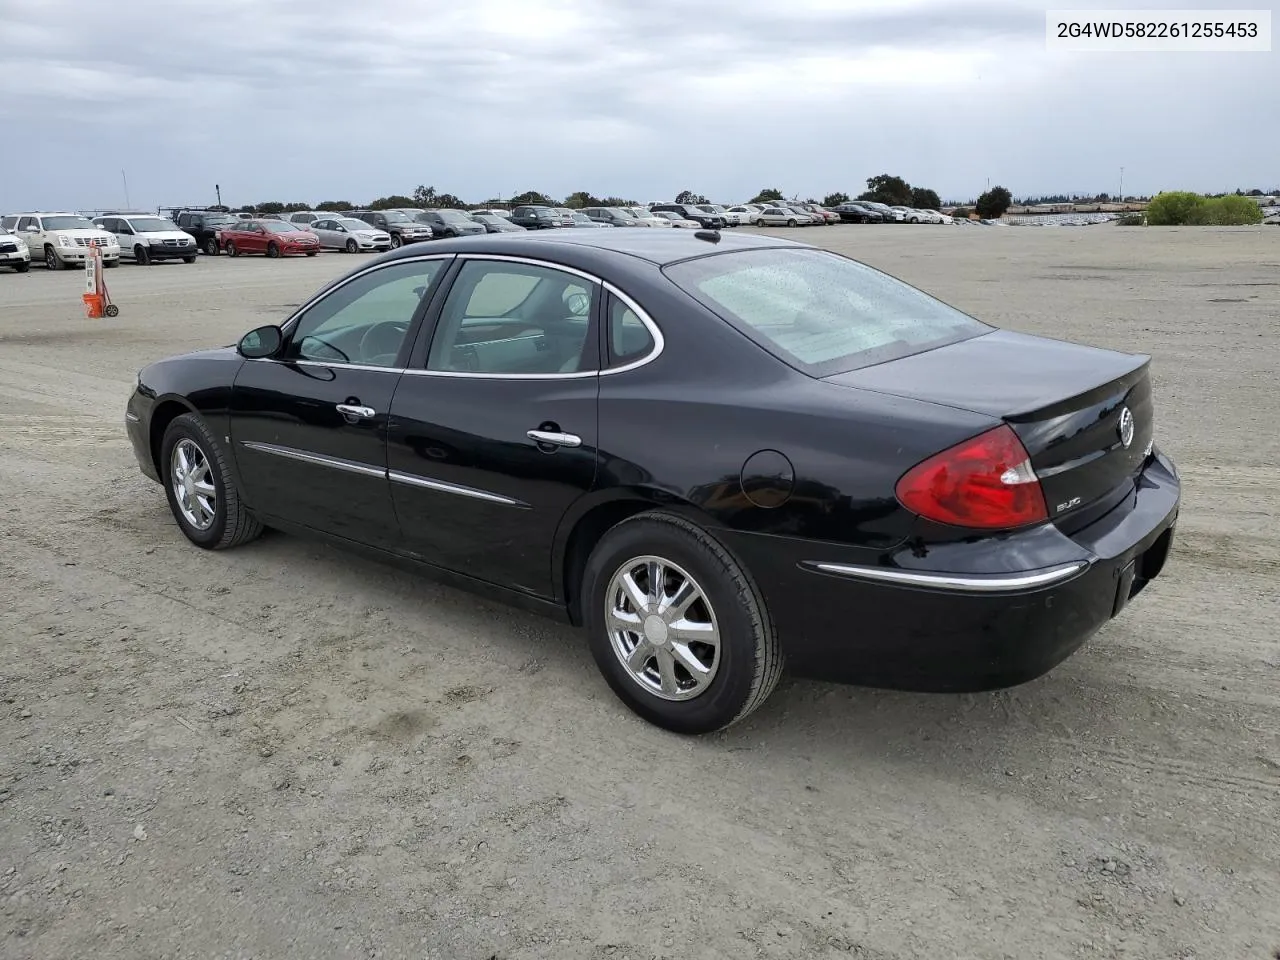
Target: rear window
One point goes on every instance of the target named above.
(818, 312)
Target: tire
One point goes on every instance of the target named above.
(760, 222)
(744, 668)
(141, 255)
(112, 310)
(188, 259)
(312, 253)
(791, 222)
(22, 267)
(231, 524)
(232, 249)
(211, 247)
(111, 263)
(273, 251)
(396, 242)
(51, 259)
(352, 246)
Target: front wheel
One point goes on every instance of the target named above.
(188, 259)
(791, 222)
(211, 247)
(396, 242)
(141, 254)
(676, 626)
(760, 222)
(232, 249)
(312, 253)
(273, 251)
(22, 267)
(200, 488)
(352, 246)
(51, 259)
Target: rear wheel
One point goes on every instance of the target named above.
(312, 253)
(232, 249)
(352, 246)
(676, 626)
(200, 488)
(273, 251)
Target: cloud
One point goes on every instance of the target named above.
(333, 99)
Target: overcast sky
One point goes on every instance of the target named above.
(354, 99)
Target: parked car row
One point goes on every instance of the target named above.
(63, 239)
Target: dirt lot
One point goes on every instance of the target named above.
(286, 752)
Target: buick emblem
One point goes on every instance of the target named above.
(1126, 427)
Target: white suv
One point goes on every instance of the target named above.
(148, 238)
(14, 252)
(62, 240)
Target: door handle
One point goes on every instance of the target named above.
(355, 410)
(554, 438)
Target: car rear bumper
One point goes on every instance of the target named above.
(963, 625)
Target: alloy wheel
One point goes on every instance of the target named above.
(51, 261)
(192, 484)
(662, 628)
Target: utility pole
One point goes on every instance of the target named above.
(127, 204)
(218, 190)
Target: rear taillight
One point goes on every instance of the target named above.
(986, 482)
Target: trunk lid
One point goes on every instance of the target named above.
(1067, 403)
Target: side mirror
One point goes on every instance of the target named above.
(261, 343)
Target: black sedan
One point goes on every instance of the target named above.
(714, 452)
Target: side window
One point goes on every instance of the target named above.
(629, 338)
(515, 318)
(366, 320)
(26, 222)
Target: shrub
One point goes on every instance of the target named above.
(1131, 220)
(960, 213)
(992, 204)
(1175, 208)
(1229, 211)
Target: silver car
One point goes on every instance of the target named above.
(349, 235)
(781, 217)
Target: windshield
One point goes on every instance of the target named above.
(278, 226)
(395, 216)
(820, 312)
(68, 223)
(711, 207)
(619, 212)
(454, 216)
(151, 224)
(351, 223)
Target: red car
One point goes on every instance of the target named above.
(275, 238)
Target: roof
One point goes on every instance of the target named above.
(654, 244)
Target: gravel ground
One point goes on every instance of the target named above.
(287, 752)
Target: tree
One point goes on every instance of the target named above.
(1175, 208)
(922, 198)
(271, 206)
(245, 209)
(393, 201)
(768, 195)
(531, 196)
(447, 201)
(835, 199)
(333, 206)
(992, 204)
(887, 189)
(296, 206)
(581, 198)
(618, 202)
(688, 196)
